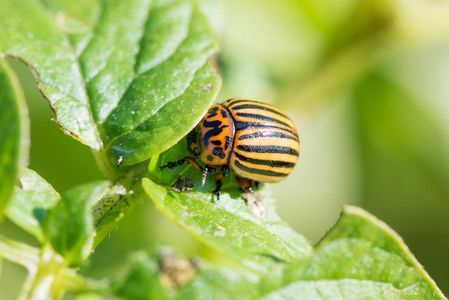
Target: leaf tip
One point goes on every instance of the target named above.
(366, 217)
(349, 210)
(153, 190)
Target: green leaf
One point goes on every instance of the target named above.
(231, 225)
(114, 205)
(30, 202)
(360, 258)
(127, 78)
(34, 198)
(69, 226)
(171, 276)
(14, 140)
(141, 280)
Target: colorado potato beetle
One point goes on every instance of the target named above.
(257, 141)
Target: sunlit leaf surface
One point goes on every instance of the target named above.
(231, 225)
(30, 202)
(360, 258)
(127, 78)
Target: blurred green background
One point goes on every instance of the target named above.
(365, 81)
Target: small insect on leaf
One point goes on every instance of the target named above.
(183, 184)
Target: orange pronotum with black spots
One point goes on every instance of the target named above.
(257, 141)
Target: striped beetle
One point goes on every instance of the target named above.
(257, 141)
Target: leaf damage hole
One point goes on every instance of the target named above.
(221, 230)
(254, 200)
(175, 271)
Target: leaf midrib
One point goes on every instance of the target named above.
(155, 110)
(84, 80)
(76, 60)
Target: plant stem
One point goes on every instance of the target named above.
(109, 171)
(19, 253)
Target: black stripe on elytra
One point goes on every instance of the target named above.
(214, 130)
(213, 110)
(255, 106)
(227, 142)
(224, 114)
(262, 118)
(258, 171)
(245, 125)
(270, 163)
(267, 134)
(235, 101)
(267, 149)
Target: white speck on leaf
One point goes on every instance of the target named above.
(221, 230)
(26, 186)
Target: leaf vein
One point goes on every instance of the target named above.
(137, 75)
(158, 109)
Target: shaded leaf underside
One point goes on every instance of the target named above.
(11, 102)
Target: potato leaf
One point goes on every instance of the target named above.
(69, 225)
(251, 233)
(127, 78)
(360, 258)
(171, 276)
(30, 202)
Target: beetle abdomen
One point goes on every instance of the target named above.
(266, 144)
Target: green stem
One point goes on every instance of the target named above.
(48, 274)
(109, 171)
(76, 283)
(19, 253)
(51, 278)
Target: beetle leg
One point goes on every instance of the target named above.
(217, 190)
(245, 184)
(206, 171)
(173, 164)
(218, 177)
(225, 170)
(190, 160)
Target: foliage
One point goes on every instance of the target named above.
(129, 79)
